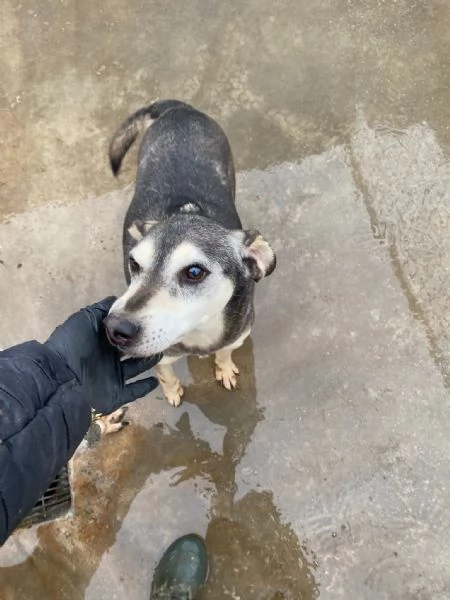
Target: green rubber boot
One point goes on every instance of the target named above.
(182, 570)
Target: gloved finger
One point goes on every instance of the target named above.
(135, 366)
(136, 390)
(99, 310)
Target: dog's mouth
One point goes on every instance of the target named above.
(123, 345)
(136, 348)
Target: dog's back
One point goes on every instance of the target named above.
(185, 165)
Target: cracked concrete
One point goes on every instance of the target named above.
(326, 475)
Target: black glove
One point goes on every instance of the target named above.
(82, 344)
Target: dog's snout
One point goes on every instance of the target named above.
(121, 332)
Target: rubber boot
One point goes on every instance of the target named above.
(182, 570)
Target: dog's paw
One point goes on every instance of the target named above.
(226, 374)
(113, 422)
(174, 394)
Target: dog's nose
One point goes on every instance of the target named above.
(121, 332)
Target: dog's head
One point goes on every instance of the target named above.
(183, 274)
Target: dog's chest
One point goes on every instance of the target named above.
(203, 340)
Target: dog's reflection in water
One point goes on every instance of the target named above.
(253, 554)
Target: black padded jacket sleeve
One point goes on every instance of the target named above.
(43, 418)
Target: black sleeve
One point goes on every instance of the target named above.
(43, 418)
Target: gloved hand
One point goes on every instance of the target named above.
(82, 344)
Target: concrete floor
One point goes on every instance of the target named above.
(327, 474)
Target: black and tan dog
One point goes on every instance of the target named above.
(190, 266)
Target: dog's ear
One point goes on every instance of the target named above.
(140, 228)
(258, 255)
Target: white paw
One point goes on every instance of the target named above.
(113, 422)
(174, 394)
(226, 374)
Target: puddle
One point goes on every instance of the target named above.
(253, 553)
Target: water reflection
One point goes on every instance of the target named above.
(253, 554)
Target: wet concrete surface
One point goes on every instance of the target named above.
(326, 474)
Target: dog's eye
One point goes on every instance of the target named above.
(134, 266)
(194, 273)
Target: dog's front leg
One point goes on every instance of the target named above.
(226, 370)
(171, 385)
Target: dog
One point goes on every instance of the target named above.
(190, 266)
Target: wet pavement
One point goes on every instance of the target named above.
(327, 474)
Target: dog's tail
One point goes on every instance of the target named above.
(137, 123)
